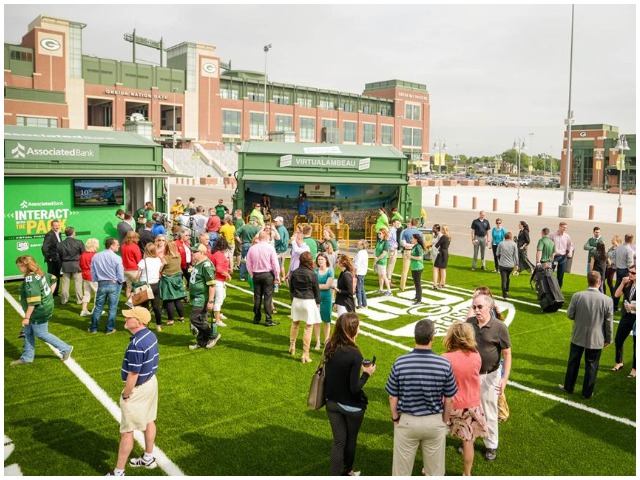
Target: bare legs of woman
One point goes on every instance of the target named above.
(443, 277)
(326, 327)
(316, 334)
(435, 277)
(467, 456)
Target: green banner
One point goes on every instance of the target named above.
(30, 204)
(325, 162)
(46, 152)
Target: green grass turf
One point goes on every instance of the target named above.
(240, 409)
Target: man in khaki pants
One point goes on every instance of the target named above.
(405, 246)
(421, 387)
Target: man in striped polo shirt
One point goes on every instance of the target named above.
(421, 387)
(139, 399)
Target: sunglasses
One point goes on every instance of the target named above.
(478, 307)
(633, 273)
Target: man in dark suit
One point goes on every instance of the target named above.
(69, 251)
(50, 251)
(592, 313)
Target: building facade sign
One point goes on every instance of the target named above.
(42, 152)
(124, 93)
(50, 44)
(325, 162)
(413, 96)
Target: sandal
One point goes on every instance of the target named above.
(169, 323)
(616, 369)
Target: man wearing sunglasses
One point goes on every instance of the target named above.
(493, 342)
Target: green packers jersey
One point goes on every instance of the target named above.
(202, 277)
(36, 291)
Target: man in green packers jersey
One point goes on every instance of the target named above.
(36, 297)
(201, 293)
(221, 210)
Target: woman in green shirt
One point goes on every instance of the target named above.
(417, 265)
(380, 261)
(382, 221)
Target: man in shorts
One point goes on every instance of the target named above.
(139, 399)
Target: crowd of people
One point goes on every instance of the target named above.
(188, 259)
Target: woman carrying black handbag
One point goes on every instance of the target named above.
(346, 401)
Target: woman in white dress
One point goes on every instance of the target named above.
(305, 304)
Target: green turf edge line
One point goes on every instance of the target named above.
(163, 461)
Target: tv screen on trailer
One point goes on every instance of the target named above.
(96, 193)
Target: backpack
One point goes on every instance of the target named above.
(549, 294)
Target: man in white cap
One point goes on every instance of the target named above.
(139, 398)
(282, 244)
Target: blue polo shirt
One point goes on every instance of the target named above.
(141, 356)
(407, 235)
(419, 379)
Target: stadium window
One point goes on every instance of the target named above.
(349, 131)
(255, 96)
(386, 135)
(368, 133)
(256, 124)
(230, 122)
(281, 99)
(305, 101)
(326, 104)
(36, 122)
(229, 94)
(412, 111)
(307, 129)
(284, 123)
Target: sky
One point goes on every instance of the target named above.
(494, 73)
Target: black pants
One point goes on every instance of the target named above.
(200, 321)
(345, 427)
(172, 306)
(417, 281)
(620, 274)
(494, 249)
(591, 362)
(504, 275)
(624, 329)
(156, 303)
(609, 274)
(262, 292)
(54, 268)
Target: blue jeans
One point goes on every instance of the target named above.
(560, 261)
(213, 238)
(106, 291)
(40, 331)
(243, 263)
(361, 296)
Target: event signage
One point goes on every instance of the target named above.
(318, 191)
(325, 162)
(31, 204)
(124, 93)
(46, 152)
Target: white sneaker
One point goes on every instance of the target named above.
(220, 323)
(222, 316)
(85, 313)
(212, 343)
(194, 347)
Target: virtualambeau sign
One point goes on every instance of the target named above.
(21, 150)
(325, 162)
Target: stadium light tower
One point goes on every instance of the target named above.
(266, 49)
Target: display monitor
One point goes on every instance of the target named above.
(98, 192)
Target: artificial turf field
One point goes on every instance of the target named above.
(240, 408)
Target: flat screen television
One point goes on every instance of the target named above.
(98, 192)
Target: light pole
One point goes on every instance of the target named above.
(566, 210)
(497, 161)
(439, 146)
(266, 49)
(518, 146)
(174, 127)
(531, 156)
(621, 146)
(456, 158)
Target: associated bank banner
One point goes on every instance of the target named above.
(41, 151)
(30, 204)
(325, 162)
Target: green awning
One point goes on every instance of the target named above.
(50, 172)
(315, 179)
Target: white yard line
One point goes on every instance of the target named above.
(511, 383)
(164, 462)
